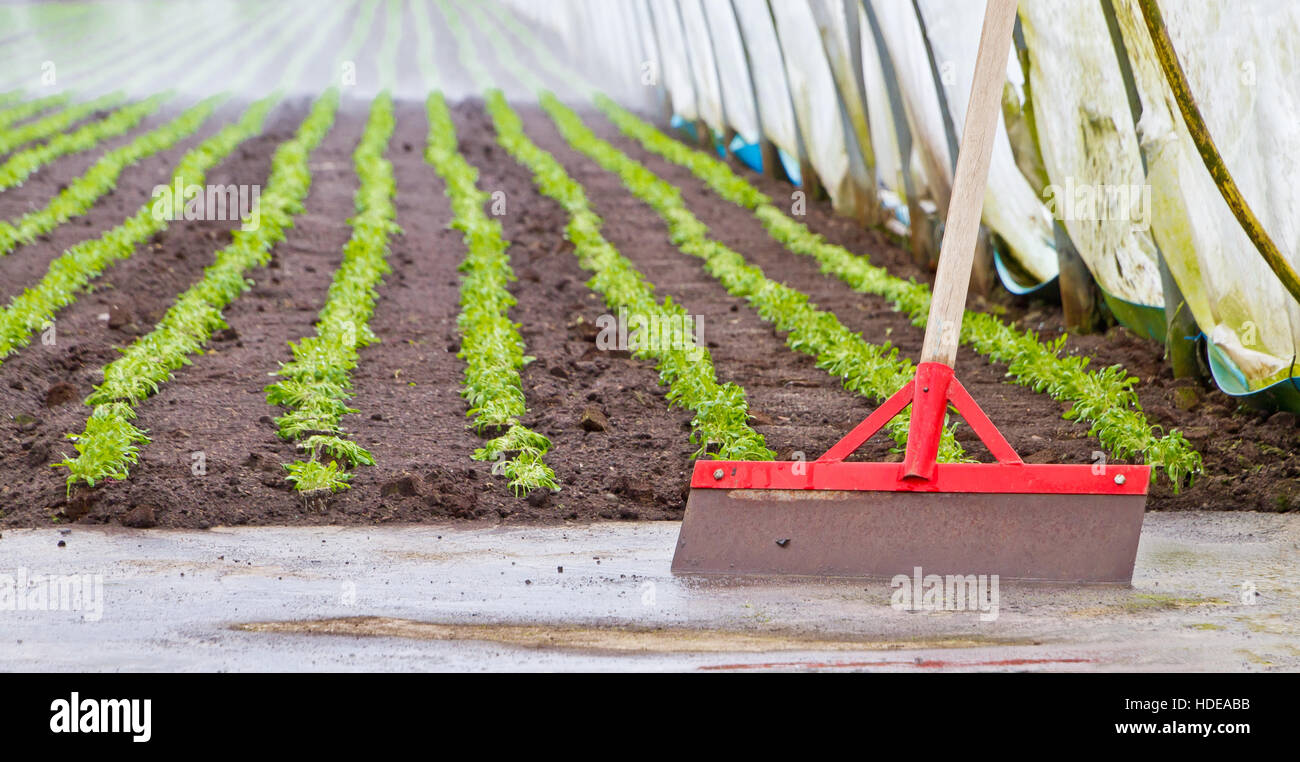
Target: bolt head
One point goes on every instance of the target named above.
(1119, 479)
(717, 474)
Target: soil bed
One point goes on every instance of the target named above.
(618, 449)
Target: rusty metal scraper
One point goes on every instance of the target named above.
(1070, 523)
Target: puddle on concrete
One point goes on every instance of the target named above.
(1147, 603)
(1268, 623)
(610, 639)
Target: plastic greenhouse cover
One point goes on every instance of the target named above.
(639, 39)
(774, 104)
(733, 71)
(704, 68)
(884, 139)
(649, 48)
(1089, 146)
(618, 34)
(815, 98)
(832, 25)
(931, 169)
(578, 29)
(676, 66)
(1243, 66)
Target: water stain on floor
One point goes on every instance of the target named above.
(609, 639)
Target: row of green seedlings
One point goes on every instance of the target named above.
(490, 343)
(1104, 398)
(871, 370)
(317, 383)
(110, 443)
(21, 165)
(34, 309)
(16, 137)
(78, 196)
(720, 426)
(27, 109)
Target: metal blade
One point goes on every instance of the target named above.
(1049, 537)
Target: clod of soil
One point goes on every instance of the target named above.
(60, 394)
(77, 506)
(119, 316)
(407, 486)
(593, 419)
(140, 517)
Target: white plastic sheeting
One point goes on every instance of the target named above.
(833, 27)
(675, 64)
(884, 138)
(1243, 65)
(921, 105)
(815, 98)
(733, 69)
(767, 72)
(649, 48)
(704, 69)
(1089, 147)
(628, 33)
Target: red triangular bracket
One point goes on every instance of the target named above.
(955, 394)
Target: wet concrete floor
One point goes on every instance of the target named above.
(1212, 591)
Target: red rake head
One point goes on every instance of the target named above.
(831, 517)
(929, 393)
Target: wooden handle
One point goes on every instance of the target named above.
(961, 227)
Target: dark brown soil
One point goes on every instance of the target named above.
(636, 467)
(27, 264)
(215, 457)
(797, 407)
(126, 302)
